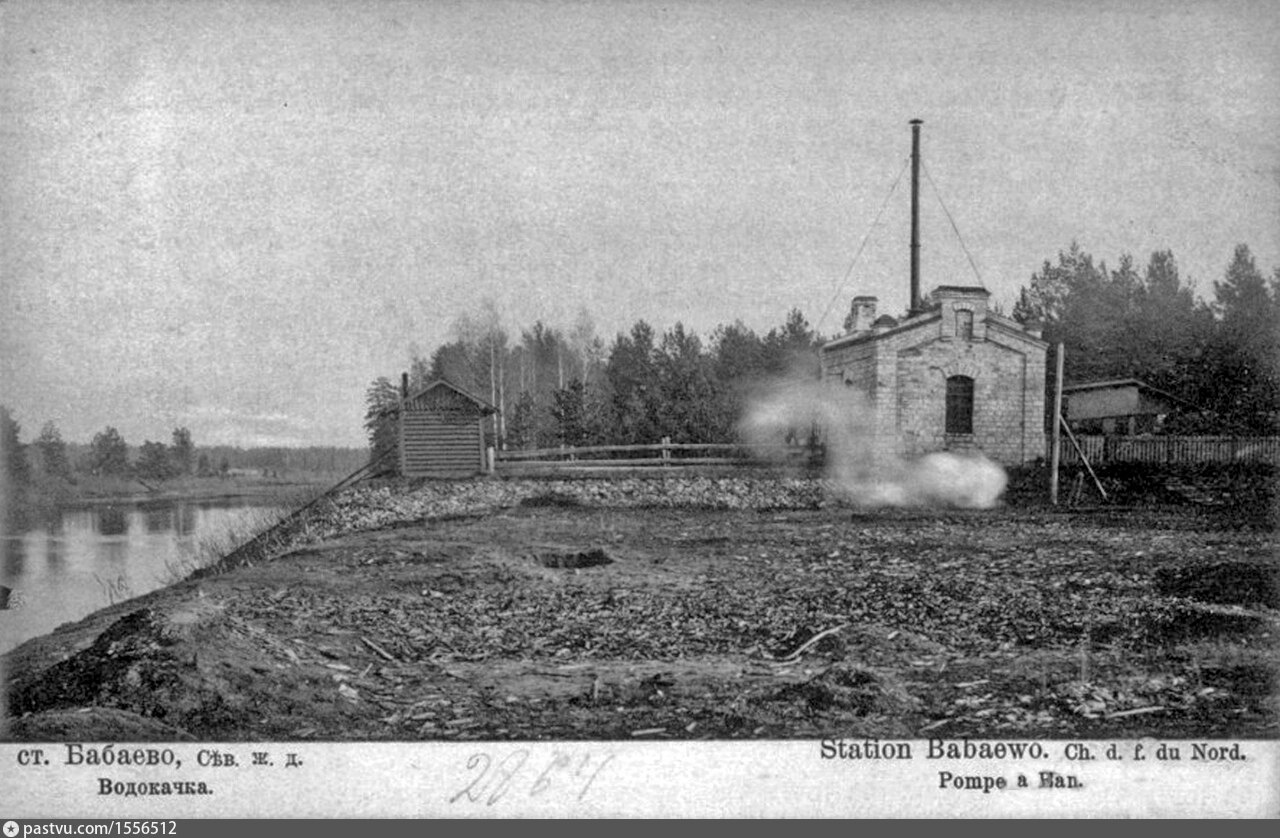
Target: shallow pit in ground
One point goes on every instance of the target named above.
(1190, 623)
(572, 559)
(848, 689)
(560, 500)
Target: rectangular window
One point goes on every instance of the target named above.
(964, 324)
(959, 405)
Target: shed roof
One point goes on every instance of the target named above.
(481, 404)
(1124, 383)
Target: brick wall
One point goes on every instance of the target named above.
(905, 372)
(1008, 399)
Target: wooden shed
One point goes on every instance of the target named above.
(1123, 406)
(442, 432)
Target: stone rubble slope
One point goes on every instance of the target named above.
(369, 507)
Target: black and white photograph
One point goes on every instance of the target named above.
(607, 408)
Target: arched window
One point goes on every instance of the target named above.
(959, 404)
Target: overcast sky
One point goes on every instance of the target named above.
(234, 216)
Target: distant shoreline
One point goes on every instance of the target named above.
(230, 489)
(90, 492)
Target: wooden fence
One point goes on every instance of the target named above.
(1174, 450)
(658, 456)
(1101, 450)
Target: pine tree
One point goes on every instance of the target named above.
(108, 454)
(688, 398)
(13, 453)
(1245, 387)
(155, 461)
(633, 383)
(182, 451)
(382, 423)
(54, 461)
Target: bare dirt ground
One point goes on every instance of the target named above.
(552, 618)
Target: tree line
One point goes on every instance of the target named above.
(556, 386)
(50, 458)
(566, 387)
(1219, 355)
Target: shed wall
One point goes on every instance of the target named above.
(441, 444)
(1095, 404)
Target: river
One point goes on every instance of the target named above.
(76, 561)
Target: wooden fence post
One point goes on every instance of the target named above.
(1055, 453)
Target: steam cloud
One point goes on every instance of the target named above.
(866, 470)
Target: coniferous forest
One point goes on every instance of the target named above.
(1214, 347)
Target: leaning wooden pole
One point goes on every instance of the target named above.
(1055, 454)
(1083, 458)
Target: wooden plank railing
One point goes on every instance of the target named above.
(660, 455)
(1101, 450)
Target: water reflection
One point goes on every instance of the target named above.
(112, 520)
(75, 561)
(54, 552)
(112, 552)
(15, 555)
(52, 523)
(185, 518)
(159, 518)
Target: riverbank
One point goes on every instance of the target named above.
(681, 608)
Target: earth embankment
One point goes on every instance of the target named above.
(681, 608)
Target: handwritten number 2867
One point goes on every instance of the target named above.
(491, 781)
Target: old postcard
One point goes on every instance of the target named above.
(618, 409)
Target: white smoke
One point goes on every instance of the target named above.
(864, 468)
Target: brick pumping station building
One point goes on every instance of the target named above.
(950, 376)
(958, 377)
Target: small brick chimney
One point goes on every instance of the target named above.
(862, 314)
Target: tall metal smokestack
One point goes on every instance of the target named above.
(915, 217)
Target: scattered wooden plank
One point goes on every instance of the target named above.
(1137, 711)
(795, 656)
(382, 653)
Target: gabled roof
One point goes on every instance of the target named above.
(1006, 324)
(909, 322)
(480, 403)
